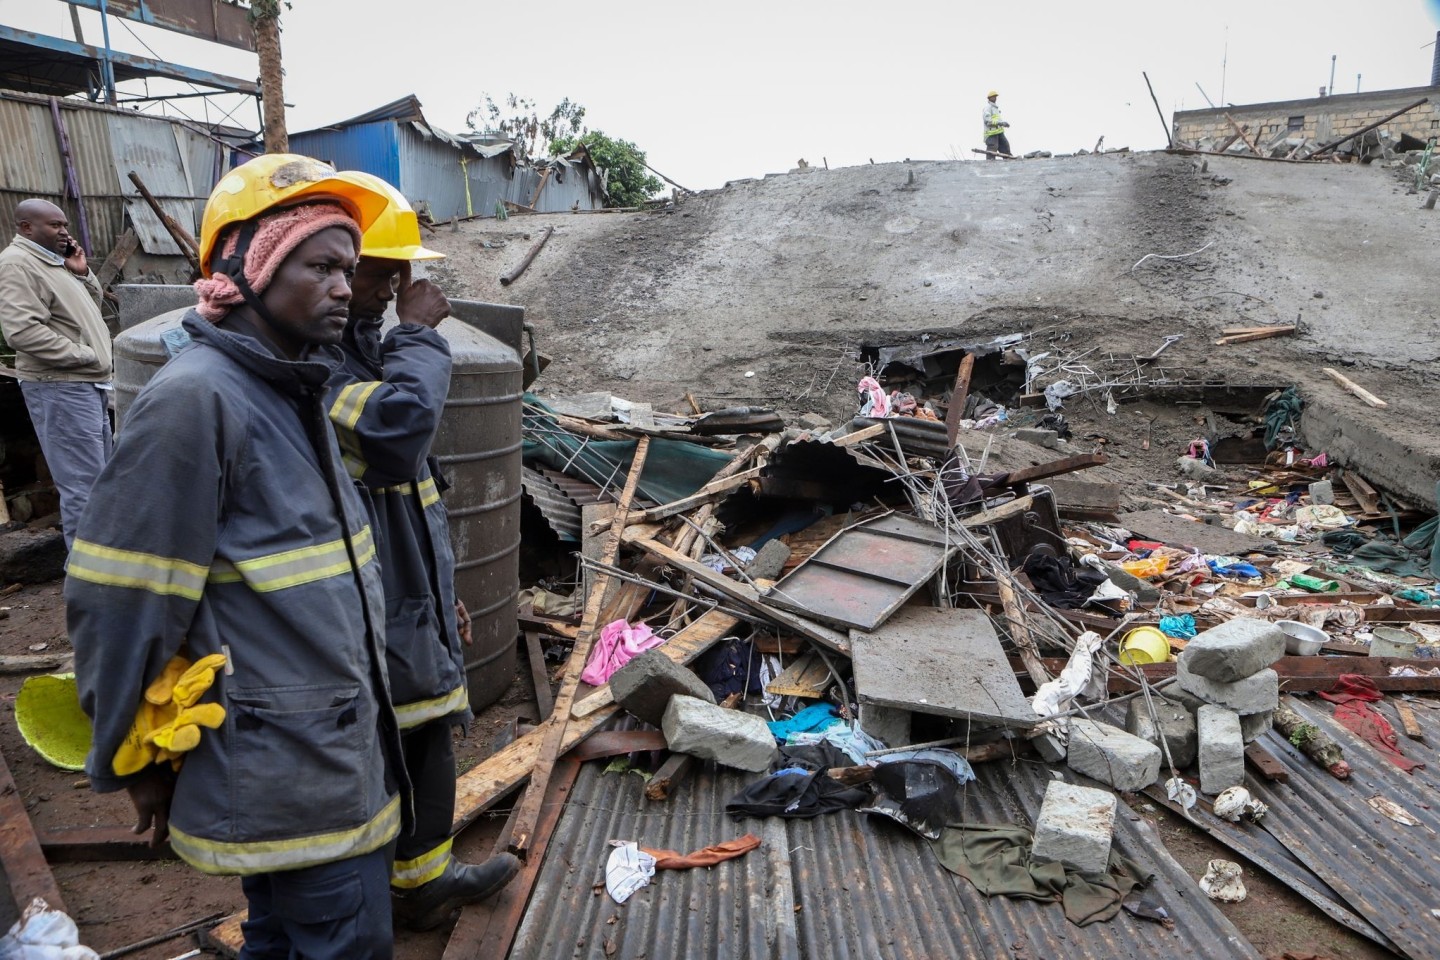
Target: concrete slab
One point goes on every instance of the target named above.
(1211, 538)
(1176, 726)
(941, 661)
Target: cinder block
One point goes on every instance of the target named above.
(769, 561)
(1235, 650)
(1044, 438)
(1255, 694)
(1322, 492)
(1177, 726)
(1112, 756)
(644, 686)
(1222, 749)
(732, 738)
(1253, 727)
(1075, 827)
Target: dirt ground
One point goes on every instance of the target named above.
(760, 295)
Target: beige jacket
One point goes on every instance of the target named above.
(51, 318)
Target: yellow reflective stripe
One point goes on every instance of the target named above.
(351, 453)
(355, 466)
(429, 493)
(409, 874)
(292, 568)
(112, 567)
(266, 856)
(423, 711)
(350, 403)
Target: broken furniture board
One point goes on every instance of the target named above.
(808, 677)
(1206, 537)
(947, 662)
(864, 573)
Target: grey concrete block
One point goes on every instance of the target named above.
(731, 738)
(31, 555)
(141, 301)
(1111, 755)
(1075, 827)
(769, 561)
(1044, 438)
(1222, 749)
(1234, 650)
(1177, 727)
(1253, 727)
(644, 686)
(1322, 492)
(1255, 694)
(1195, 469)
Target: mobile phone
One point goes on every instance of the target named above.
(70, 248)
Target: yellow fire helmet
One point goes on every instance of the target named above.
(395, 234)
(992, 93)
(280, 180)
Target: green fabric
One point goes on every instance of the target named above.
(996, 859)
(1375, 554)
(1424, 538)
(673, 468)
(1283, 411)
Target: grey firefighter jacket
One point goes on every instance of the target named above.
(225, 522)
(386, 398)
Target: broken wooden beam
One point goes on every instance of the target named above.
(955, 412)
(21, 858)
(1264, 763)
(1261, 334)
(1241, 130)
(671, 774)
(1364, 494)
(189, 249)
(530, 255)
(98, 845)
(1366, 129)
(1408, 722)
(539, 676)
(1307, 674)
(1351, 387)
(712, 491)
(1054, 468)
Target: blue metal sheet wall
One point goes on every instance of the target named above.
(371, 147)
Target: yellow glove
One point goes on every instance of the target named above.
(136, 752)
(182, 732)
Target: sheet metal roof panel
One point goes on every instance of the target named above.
(839, 886)
(371, 147)
(560, 512)
(1386, 871)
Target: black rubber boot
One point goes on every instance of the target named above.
(428, 906)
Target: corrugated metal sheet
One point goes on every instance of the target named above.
(432, 176)
(560, 512)
(372, 147)
(148, 148)
(1383, 870)
(840, 886)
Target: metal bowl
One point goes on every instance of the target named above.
(1301, 639)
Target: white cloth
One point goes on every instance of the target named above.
(628, 869)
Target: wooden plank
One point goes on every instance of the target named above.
(1361, 490)
(98, 845)
(1054, 468)
(1265, 334)
(225, 937)
(746, 595)
(671, 774)
(955, 412)
(539, 676)
(21, 858)
(617, 743)
(1408, 723)
(1326, 148)
(940, 661)
(1309, 674)
(861, 436)
(487, 929)
(553, 728)
(682, 648)
(124, 248)
(1083, 500)
(1265, 764)
(1351, 387)
(808, 677)
(1241, 130)
(709, 493)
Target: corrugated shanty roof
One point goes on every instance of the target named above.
(1325, 834)
(447, 175)
(840, 886)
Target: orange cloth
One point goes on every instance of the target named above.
(711, 855)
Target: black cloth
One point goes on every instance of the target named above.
(921, 794)
(997, 144)
(1059, 583)
(797, 786)
(430, 759)
(731, 667)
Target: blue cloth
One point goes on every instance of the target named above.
(1244, 571)
(817, 718)
(336, 911)
(1181, 627)
(948, 759)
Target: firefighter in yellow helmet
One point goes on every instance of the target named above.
(224, 599)
(386, 398)
(996, 143)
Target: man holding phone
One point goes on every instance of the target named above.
(50, 316)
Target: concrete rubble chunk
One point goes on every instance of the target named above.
(1255, 694)
(1075, 827)
(1253, 727)
(1176, 726)
(1234, 650)
(1112, 756)
(1043, 438)
(769, 561)
(731, 738)
(1222, 749)
(644, 686)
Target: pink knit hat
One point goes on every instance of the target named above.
(277, 234)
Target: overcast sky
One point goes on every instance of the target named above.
(728, 90)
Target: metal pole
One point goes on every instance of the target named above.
(1331, 88)
(109, 68)
(1169, 136)
(72, 178)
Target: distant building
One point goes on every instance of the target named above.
(448, 175)
(1318, 118)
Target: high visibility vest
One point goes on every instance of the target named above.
(992, 124)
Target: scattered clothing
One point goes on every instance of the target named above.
(628, 869)
(708, 857)
(848, 738)
(921, 794)
(815, 718)
(1059, 583)
(1281, 416)
(949, 759)
(1352, 696)
(797, 787)
(876, 402)
(1377, 555)
(1182, 627)
(1233, 567)
(996, 859)
(617, 645)
(732, 666)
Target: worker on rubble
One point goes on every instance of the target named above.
(996, 143)
(386, 398)
(223, 596)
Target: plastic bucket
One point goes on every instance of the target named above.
(1144, 645)
(1392, 642)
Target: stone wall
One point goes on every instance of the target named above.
(1319, 118)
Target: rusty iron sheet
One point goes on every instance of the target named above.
(947, 662)
(26, 871)
(863, 574)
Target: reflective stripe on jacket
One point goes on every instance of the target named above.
(386, 399)
(225, 522)
(992, 120)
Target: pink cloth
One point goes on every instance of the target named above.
(875, 398)
(277, 234)
(617, 645)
